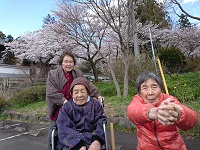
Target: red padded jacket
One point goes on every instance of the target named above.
(152, 135)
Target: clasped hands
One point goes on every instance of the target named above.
(167, 113)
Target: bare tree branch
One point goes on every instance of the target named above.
(181, 8)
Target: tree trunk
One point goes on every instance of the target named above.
(94, 70)
(114, 80)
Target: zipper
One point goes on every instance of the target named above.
(157, 135)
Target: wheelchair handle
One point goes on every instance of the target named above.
(102, 101)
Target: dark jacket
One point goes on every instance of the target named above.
(80, 125)
(55, 82)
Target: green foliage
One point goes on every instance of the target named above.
(9, 58)
(192, 65)
(184, 21)
(172, 58)
(2, 35)
(151, 11)
(32, 108)
(3, 102)
(184, 86)
(30, 95)
(106, 88)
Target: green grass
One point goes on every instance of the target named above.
(31, 108)
(185, 87)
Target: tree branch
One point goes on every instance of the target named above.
(181, 8)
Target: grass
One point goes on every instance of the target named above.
(32, 108)
(185, 87)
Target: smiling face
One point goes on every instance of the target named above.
(67, 63)
(79, 94)
(150, 91)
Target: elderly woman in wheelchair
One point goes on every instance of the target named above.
(80, 120)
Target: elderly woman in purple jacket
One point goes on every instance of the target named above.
(80, 120)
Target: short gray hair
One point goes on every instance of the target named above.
(147, 75)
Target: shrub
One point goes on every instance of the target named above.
(192, 65)
(172, 58)
(3, 102)
(30, 95)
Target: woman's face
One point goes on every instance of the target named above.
(79, 94)
(68, 63)
(150, 91)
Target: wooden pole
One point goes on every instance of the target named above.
(112, 136)
(163, 77)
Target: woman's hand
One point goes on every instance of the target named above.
(83, 148)
(168, 112)
(95, 145)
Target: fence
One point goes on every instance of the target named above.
(15, 82)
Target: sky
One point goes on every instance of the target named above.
(20, 16)
(192, 7)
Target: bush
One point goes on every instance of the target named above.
(192, 65)
(172, 58)
(30, 95)
(3, 102)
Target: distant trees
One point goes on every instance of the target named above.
(2, 40)
(48, 20)
(2, 35)
(8, 58)
(184, 21)
(152, 11)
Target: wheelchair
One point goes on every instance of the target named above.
(54, 134)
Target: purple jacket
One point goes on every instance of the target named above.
(80, 125)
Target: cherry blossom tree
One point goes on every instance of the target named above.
(186, 39)
(85, 30)
(119, 15)
(100, 31)
(43, 46)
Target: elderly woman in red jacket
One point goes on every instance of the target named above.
(158, 116)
